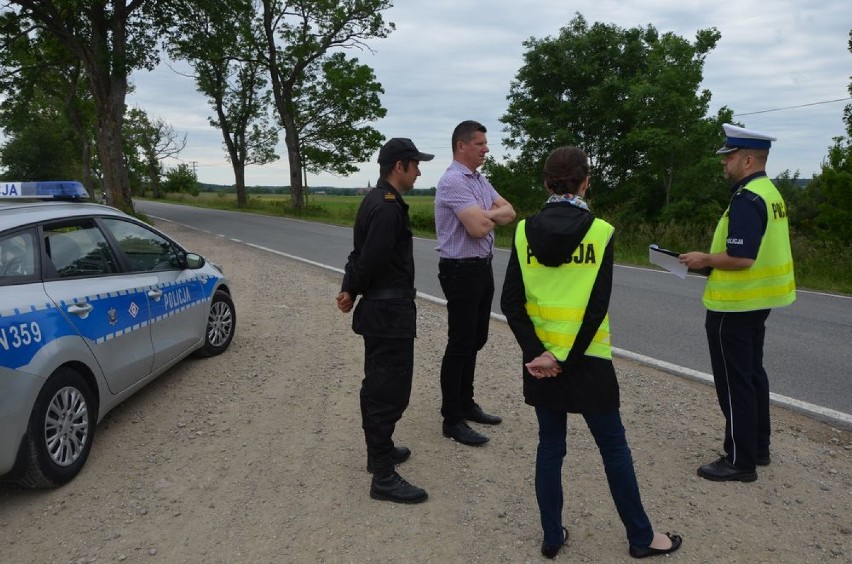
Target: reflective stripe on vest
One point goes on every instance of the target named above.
(769, 282)
(557, 296)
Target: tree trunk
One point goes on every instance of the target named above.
(291, 140)
(240, 177)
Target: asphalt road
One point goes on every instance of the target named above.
(808, 350)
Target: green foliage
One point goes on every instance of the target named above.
(147, 143)
(336, 105)
(631, 99)
(520, 186)
(834, 221)
(41, 151)
(324, 99)
(181, 179)
(49, 122)
(217, 40)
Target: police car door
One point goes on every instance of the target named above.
(178, 305)
(108, 307)
(34, 335)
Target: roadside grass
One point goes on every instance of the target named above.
(819, 265)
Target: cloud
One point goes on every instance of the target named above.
(448, 61)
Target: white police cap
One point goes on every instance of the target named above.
(741, 138)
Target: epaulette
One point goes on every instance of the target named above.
(390, 197)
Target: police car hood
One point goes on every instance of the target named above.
(556, 231)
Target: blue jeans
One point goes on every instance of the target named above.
(608, 432)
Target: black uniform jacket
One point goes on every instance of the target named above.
(381, 265)
(586, 384)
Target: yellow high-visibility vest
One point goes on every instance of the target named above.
(769, 282)
(557, 296)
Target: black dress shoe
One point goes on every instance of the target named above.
(723, 471)
(398, 456)
(551, 550)
(392, 487)
(462, 433)
(644, 552)
(476, 415)
(764, 459)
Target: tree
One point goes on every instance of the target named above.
(835, 187)
(147, 144)
(109, 38)
(50, 120)
(217, 40)
(630, 98)
(181, 179)
(302, 53)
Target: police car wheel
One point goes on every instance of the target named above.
(221, 321)
(60, 432)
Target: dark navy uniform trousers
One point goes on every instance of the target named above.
(736, 355)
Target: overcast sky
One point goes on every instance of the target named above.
(448, 61)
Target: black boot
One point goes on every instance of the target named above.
(387, 485)
(398, 456)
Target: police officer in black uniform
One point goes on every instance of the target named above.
(381, 270)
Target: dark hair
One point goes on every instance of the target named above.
(385, 170)
(465, 130)
(565, 169)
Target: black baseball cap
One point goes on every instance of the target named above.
(400, 149)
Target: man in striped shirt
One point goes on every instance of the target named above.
(467, 208)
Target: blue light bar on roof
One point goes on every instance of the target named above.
(53, 189)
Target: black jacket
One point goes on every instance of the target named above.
(587, 384)
(382, 260)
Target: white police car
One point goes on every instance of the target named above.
(93, 305)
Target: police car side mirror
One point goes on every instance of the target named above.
(194, 261)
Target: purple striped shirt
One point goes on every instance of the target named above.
(460, 188)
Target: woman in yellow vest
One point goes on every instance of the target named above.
(555, 298)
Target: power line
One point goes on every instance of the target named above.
(793, 107)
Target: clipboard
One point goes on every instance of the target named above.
(666, 259)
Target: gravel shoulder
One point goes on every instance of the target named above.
(258, 456)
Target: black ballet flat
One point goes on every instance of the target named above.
(640, 552)
(551, 550)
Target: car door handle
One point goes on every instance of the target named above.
(155, 294)
(81, 310)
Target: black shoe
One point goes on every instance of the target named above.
(639, 552)
(551, 550)
(723, 471)
(462, 433)
(392, 487)
(476, 415)
(764, 459)
(398, 456)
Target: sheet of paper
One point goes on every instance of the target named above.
(666, 259)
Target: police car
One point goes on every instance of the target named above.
(94, 305)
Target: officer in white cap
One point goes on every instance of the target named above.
(751, 272)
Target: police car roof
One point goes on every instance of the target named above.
(43, 190)
(24, 203)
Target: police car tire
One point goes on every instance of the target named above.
(40, 470)
(221, 317)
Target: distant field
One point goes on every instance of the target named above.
(818, 266)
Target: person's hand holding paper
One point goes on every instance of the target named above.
(666, 259)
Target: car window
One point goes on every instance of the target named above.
(18, 252)
(79, 249)
(146, 250)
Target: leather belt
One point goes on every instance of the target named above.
(468, 260)
(391, 294)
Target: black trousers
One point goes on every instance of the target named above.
(742, 386)
(469, 289)
(385, 390)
